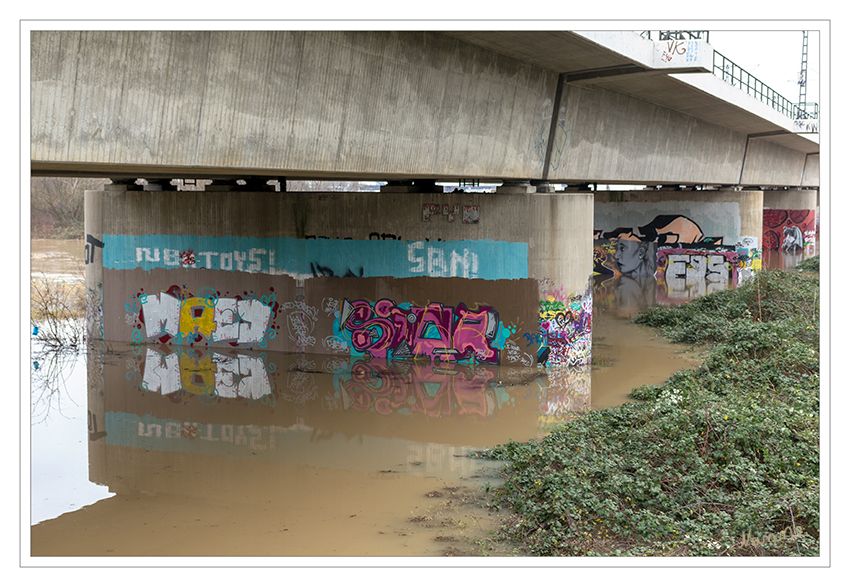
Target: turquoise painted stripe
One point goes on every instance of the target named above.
(482, 259)
(168, 435)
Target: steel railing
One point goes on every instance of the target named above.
(677, 35)
(738, 77)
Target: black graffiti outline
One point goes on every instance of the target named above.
(323, 271)
(91, 244)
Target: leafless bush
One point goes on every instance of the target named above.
(57, 313)
(57, 205)
(51, 369)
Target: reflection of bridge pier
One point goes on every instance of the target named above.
(309, 409)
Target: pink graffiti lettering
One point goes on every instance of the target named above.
(387, 330)
(384, 388)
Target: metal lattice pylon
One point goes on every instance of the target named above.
(801, 103)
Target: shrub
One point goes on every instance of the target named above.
(719, 460)
(810, 265)
(57, 313)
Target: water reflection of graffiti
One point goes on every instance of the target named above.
(624, 296)
(153, 433)
(239, 435)
(563, 392)
(788, 230)
(385, 329)
(300, 385)
(179, 316)
(407, 388)
(565, 329)
(206, 377)
(209, 375)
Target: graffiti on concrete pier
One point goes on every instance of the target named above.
(385, 329)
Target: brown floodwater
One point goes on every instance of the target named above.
(60, 259)
(295, 455)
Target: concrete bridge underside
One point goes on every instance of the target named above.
(560, 106)
(412, 272)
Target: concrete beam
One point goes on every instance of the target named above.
(381, 105)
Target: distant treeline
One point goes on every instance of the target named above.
(57, 206)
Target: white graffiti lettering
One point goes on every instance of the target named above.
(258, 259)
(713, 268)
(227, 320)
(431, 261)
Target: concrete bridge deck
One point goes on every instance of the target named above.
(562, 106)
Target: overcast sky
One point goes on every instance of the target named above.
(774, 57)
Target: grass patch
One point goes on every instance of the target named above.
(722, 460)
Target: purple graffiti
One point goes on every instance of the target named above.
(389, 330)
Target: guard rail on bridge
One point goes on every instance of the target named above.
(738, 77)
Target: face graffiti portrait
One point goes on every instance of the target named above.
(633, 257)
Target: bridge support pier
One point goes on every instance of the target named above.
(457, 277)
(791, 219)
(691, 242)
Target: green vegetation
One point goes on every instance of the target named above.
(810, 265)
(722, 460)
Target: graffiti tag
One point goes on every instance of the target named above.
(389, 330)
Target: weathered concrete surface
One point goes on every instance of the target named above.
(614, 137)
(94, 266)
(811, 173)
(728, 214)
(791, 199)
(769, 164)
(309, 252)
(286, 102)
(618, 138)
(390, 105)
